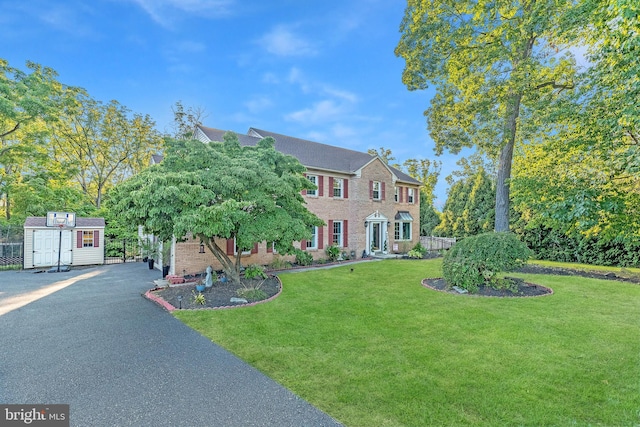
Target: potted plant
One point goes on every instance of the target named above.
(149, 251)
(200, 286)
(166, 255)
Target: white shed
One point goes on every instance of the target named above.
(82, 244)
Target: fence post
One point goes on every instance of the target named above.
(124, 251)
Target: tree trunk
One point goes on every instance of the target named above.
(7, 205)
(504, 167)
(228, 266)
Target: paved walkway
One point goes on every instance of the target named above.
(88, 339)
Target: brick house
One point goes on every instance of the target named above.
(367, 206)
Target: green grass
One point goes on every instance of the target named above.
(374, 348)
(577, 266)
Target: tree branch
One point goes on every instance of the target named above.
(15, 128)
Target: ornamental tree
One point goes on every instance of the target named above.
(220, 190)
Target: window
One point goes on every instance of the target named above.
(410, 195)
(402, 231)
(337, 233)
(313, 242)
(235, 249)
(337, 187)
(396, 196)
(87, 239)
(376, 190)
(313, 179)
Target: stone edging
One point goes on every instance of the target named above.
(170, 308)
(424, 284)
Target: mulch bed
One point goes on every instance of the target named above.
(217, 296)
(525, 289)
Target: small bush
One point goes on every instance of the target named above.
(477, 260)
(420, 249)
(255, 271)
(252, 294)
(198, 298)
(304, 258)
(415, 254)
(279, 263)
(333, 252)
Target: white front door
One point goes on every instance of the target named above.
(46, 244)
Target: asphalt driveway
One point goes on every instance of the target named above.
(89, 339)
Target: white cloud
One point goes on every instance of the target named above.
(258, 104)
(322, 111)
(282, 41)
(165, 12)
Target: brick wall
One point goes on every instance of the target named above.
(352, 209)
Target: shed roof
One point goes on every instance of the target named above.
(41, 221)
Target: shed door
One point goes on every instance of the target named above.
(45, 247)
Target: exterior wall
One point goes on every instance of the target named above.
(353, 209)
(189, 260)
(88, 256)
(79, 256)
(28, 248)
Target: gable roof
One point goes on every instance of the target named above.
(41, 221)
(311, 154)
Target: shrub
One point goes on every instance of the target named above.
(303, 258)
(252, 294)
(333, 252)
(198, 298)
(255, 271)
(420, 249)
(415, 254)
(477, 260)
(279, 263)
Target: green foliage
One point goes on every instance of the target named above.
(415, 254)
(279, 263)
(102, 143)
(418, 251)
(477, 260)
(555, 245)
(303, 258)
(198, 298)
(255, 271)
(333, 252)
(252, 294)
(470, 205)
(220, 190)
(491, 64)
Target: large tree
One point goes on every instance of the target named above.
(491, 63)
(220, 190)
(582, 178)
(28, 100)
(103, 143)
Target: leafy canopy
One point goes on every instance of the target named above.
(220, 190)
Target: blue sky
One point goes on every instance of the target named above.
(323, 71)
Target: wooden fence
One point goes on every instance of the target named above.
(437, 243)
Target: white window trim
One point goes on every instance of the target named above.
(374, 191)
(340, 241)
(399, 228)
(86, 241)
(313, 193)
(396, 195)
(314, 239)
(235, 249)
(411, 195)
(338, 183)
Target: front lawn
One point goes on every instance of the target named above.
(372, 347)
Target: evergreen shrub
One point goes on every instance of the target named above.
(477, 260)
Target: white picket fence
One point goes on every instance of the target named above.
(437, 243)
